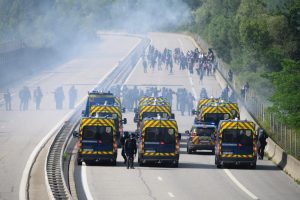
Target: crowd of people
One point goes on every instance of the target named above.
(156, 58)
(131, 95)
(192, 60)
(26, 96)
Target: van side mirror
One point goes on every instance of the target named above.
(172, 116)
(75, 134)
(124, 121)
(123, 110)
(194, 112)
(179, 136)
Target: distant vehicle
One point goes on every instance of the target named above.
(201, 137)
(213, 113)
(97, 140)
(236, 143)
(96, 98)
(113, 112)
(234, 108)
(203, 102)
(152, 108)
(159, 141)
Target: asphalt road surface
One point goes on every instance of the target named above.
(197, 177)
(21, 131)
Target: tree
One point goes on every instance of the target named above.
(286, 99)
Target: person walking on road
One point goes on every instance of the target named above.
(122, 142)
(261, 143)
(72, 97)
(145, 65)
(37, 95)
(130, 150)
(59, 97)
(24, 96)
(7, 99)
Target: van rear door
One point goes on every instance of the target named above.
(237, 141)
(105, 138)
(245, 142)
(89, 138)
(230, 141)
(160, 140)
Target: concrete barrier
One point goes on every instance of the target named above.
(286, 162)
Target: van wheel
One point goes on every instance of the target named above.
(79, 162)
(213, 152)
(217, 162)
(189, 151)
(141, 163)
(253, 165)
(175, 165)
(114, 163)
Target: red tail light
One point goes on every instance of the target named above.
(194, 134)
(162, 142)
(100, 141)
(240, 145)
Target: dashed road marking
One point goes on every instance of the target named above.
(243, 188)
(171, 194)
(159, 178)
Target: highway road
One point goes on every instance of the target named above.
(20, 132)
(196, 177)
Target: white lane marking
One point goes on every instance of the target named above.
(159, 178)
(85, 185)
(243, 188)
(171, 194)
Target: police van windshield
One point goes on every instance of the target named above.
(204, 131)
(162, 135)
(240, 136)
(215, 117)
(104, 114)
(103, 134)
(154, 114)
(103, 100)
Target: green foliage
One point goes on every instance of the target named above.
(254, 38)
(286, 99)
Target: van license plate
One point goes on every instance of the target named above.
(88, 149)
(150, 150)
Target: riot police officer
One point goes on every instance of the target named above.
(122, 142)
(130, 150)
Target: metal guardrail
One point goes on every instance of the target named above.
(54, 166)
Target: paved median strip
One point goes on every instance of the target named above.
(243, 188)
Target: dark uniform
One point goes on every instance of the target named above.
(122, 142)
(7, 99)
(37, 95)
(72, 97)
(59, 97)
(262, 142)
(25, 96)
(130, 150)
